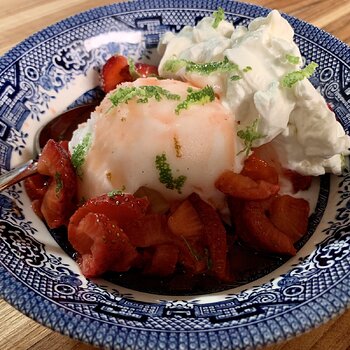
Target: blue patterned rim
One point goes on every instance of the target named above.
(44, 283)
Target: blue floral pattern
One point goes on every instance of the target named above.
(44, 283)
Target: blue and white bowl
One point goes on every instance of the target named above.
(59, 67)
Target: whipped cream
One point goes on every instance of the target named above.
(296, 119)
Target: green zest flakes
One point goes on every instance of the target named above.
(239, 76)
(114, 193)
(59, 183)
(292, 59)
(191, 250)
(173, 65)
(166, 176)
(224, 66)
(142, 93)
(219, 16)
(235, 77)
(132, 69)
(249, 135)
(79, 154)
(202, 96)
(290, 79)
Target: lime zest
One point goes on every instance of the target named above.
(235, 77)
(79, 154)
(219, 16)
(292, 59)
(166, 176)
(191, 249)
(249, 135)
(132, 69)
(175, 64)
(201, 96)
(142, 93)
(116, 192)
(290, 79)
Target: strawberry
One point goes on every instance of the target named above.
(258, 169)
(95, 230)
(267, 153)
(260, 233)
(117, 70)
(102, 246)
(193, 255)
(58, 203)
(152, 231)
(149, 230)
(65, 145)
(214, 235)
(290, 215)
(240, 186)
(145, 70)
(36, 186)
(122, 209)
(185, 222)
(114, 72)
(299, 182)
(163, 261)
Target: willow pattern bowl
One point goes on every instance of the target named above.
(58, 68)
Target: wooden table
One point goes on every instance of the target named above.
(19, 19)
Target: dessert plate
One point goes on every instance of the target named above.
(58, 68)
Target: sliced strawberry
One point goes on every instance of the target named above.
(58, 203)
(299, 182)
(258, 169)
(214, 235)
(123, 209)
(268, 153)
(194, 255)
(102, 245)
(146, 70)
(36, 186)
(117, 70)
(149, 230)
(290, 215)
(114, 72)
(261, 233)
(185, 221)
(64, 144)
(240, 186)
(36, 206)
(164, 260)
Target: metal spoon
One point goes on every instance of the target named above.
(59, 128)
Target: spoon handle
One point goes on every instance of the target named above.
(18, 174)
